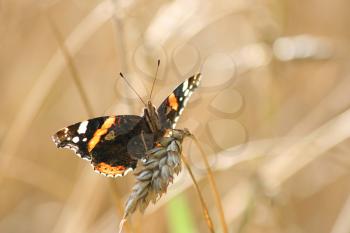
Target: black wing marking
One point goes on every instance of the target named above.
(171, 108)
(76, 137)
(112, 143)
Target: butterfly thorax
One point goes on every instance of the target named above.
(151, 117)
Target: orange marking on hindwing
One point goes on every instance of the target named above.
(100, 132)
(110, 170)
(174, 104)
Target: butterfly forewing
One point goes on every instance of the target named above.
(76, 137)
(171, 108)
(112, 143)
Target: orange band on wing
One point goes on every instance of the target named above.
(174, 104)
(110, 170)
(100, 132)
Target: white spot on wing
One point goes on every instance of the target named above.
(82, 127)
(75, 139)
(185, 102)
(72, 147)
(185, 85)
(97, 171)
(186, 92)
(127, 171)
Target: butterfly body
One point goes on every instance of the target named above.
(114, 144)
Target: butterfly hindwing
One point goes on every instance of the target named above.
(171, 108)
(121, 146)
(106, 142)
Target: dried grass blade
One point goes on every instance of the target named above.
(71, 66)
(213, 186)
(204, 205)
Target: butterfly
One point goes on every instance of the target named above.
(114, 144)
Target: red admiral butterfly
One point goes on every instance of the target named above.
(114, 144)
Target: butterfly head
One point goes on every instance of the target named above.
(150, 106)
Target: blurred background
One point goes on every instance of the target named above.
(272, 113)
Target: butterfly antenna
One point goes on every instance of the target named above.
(127, 82)
(154, 80)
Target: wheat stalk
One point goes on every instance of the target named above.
(160, 166)
(213, 186)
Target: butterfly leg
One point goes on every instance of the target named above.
(143, 140)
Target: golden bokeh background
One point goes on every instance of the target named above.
(272, 113)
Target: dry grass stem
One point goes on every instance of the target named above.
(279, 169)
(71, 66)
(342, 224)
(207, 217)
(119, 205)
(213, 186)
(84, 208)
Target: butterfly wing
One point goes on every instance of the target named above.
(113, 144)
(172, 107)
